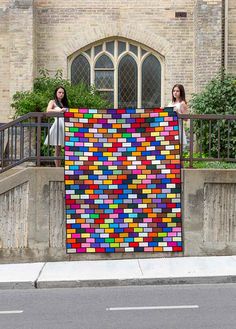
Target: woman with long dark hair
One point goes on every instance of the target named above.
(179, 104)
(56, 133)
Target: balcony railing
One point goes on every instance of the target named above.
(22, 141)
(210, 138)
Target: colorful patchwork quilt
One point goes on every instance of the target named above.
(122, 180)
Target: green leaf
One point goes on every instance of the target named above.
(43, 90)
(218, 97)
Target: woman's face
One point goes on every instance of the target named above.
(60, 94)
(176, 93)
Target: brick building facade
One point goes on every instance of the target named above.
(193, 38)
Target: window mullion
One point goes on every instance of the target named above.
(116, 74)
(92, 67)
(139, 82)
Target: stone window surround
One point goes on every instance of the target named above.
(116, 60)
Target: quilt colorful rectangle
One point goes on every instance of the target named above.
(122, 180)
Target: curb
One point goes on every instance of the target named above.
(17, 285)
(135, 282)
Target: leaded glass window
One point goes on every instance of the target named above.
(104, 62)
(110, 47)
(151, 82)
(126, 73)
(80, 70)
(121, 47)
(97, 49)
(127, 79)
(104, 79)
(134, 49)
(104, 76)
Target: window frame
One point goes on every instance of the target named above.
(94, 69)
(139, 58)
(118, 63)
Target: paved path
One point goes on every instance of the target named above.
(217, 269)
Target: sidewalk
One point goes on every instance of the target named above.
(180, 270)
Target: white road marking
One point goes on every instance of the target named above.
(173, 307)
(11, 312)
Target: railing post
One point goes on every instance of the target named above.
(38, 139)
(191, 144)
(228, 136)
(21, 141)
(218, 142)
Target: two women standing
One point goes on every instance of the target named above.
(60, 104)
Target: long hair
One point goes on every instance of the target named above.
(182, 93)
(64, 100)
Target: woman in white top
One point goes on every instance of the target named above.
(180, 106)
(56, 133)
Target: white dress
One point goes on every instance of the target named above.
(56, 129)
(177, 108)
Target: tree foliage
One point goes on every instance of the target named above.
(217, 138)
(43, 90)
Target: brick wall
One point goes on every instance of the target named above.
(208, 41)
(69, 26)
(17, 36)
(46, 35)
(4, 63)
(232, 36)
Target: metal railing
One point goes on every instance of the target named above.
(22, 140)
(210, 138)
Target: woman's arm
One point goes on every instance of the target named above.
(183, 108)
(52, 107)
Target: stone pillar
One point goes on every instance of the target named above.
(231, 36)
(21, 45)
(4, 64)
(208, 41)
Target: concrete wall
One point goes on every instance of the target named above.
(32, 220)
(209, 212)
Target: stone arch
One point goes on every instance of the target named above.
(111, 29)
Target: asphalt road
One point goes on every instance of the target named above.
(137, 307)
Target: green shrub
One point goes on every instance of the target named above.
(43, 90)
(218, 97)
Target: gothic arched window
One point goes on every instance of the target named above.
(151, 82)
(126, 73)
(127, 81)
(104, 76)
(80, 70)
